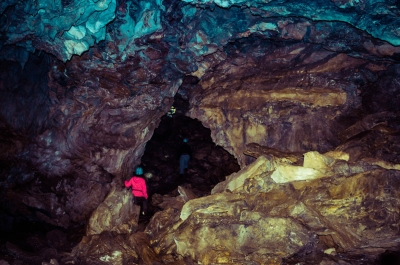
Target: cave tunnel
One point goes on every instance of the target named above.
(209, 165)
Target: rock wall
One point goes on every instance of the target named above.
(292, 96)
(84, 122)
(327, 210)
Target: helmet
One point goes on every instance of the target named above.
(185, 140)
(139, 171)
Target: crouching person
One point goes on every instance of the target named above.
(139, 189)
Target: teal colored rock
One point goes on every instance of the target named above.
(380, 19)
(66, 28)
(63, 30)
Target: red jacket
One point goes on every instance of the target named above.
(139, 188)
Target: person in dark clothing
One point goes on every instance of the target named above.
(185, 153)
(139, 189)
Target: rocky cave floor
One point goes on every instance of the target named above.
(29, 240)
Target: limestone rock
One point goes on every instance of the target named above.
(288, 173)
(166, 201)
(260, 238)
(347, 214)
(257, 150)
(238, 180)
(315, 166)
(105, 248)
(317, 161)
(116, 214)
(272, 102)
(160, 231)
(338, 155)
(186, 194)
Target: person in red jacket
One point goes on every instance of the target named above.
(139, 189)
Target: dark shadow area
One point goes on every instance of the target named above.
(389, 258)
(209, 164)
(28, 240)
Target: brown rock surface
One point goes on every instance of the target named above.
(291, 108)
(265, 222)
(106, 248)
(116, 213)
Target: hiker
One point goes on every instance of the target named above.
(185, 153)
(139, 189)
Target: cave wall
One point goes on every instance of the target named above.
(290, 96)
(290, 83)
(71, 128)
(83, 90)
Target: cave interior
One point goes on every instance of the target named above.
(291, 110)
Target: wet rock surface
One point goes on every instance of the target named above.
(85, 84)
(335, 218)
(290, 105)
(266, 214)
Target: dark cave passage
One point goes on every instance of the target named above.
(209, 165)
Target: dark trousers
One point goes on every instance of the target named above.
(183, 163)
(142, 202)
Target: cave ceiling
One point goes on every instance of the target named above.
(84, 83)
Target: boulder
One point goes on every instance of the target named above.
(105, 248)
(116, 214)
(333, 214)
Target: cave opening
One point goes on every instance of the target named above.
(209, 164)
